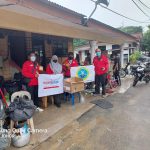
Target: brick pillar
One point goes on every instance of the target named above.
(70, 45)
(48, 49)
(5, 71)
(28, 38)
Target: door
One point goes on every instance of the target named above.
(17, 49)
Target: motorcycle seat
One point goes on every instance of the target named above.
(134, 67)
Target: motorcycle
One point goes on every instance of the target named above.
(141, 74)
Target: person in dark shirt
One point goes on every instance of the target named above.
(87, 59)
(116, 69)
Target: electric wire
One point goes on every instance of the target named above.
(144, 4)
(125, 16)
(140, 9)
(119, 14)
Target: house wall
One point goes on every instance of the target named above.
(8, 69)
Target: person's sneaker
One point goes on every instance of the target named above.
(58, 105)
(39, 109)
(104, 96)
(96, 94)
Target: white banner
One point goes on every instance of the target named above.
(87, 73)
(50, 84)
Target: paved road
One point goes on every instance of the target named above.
(124, 127)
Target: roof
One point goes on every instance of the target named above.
(81, 15)
(110, 27)
(21, 18)
(60, 7)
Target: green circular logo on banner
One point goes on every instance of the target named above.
(83, 73)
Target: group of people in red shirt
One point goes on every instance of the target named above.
(31, 71)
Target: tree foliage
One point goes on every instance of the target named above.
(146, 40)
(135, 56)
(79, 42)
(131, 29)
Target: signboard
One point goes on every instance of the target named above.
(87, 73)
(50, 84)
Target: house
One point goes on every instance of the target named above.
(124, 50)
(47, 28)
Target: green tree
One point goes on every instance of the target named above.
(131, 29)
(135, 56)
(79, 42)
(146, 41)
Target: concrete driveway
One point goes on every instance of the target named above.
(124, 127)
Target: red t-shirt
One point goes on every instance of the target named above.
(49, 70)
(100, 64)
(67, 66)
(29, 71)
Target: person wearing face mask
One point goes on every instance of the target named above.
(68, 63)
(101, 64)
(54, 67)
(30, 72)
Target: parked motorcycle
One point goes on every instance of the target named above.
(141, 74)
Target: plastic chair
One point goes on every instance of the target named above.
(22, 94)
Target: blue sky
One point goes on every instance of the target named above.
(126, 7)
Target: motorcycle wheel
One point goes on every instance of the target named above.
(122, 73)
(136, 79)
(147, 81)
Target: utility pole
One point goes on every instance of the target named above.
(97, 2)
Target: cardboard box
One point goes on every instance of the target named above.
(73, 85)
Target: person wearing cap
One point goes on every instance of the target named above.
(101, 64)
(30, 72)
(68, 63)
(54, 67)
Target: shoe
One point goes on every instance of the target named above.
(104, 96)
(58, 105)
(96, 94)
(39, 109)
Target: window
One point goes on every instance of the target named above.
(60, 47)
(103, 48)
(115, 46)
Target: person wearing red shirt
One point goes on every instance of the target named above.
(101, 68)
(68, 63)
(55, 68)
(30, 72)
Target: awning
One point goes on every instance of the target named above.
(30, 20)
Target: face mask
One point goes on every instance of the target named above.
(33, 58)
(55, 61)
(98, 54)
(70, 57)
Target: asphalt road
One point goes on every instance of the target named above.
(124, 127)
